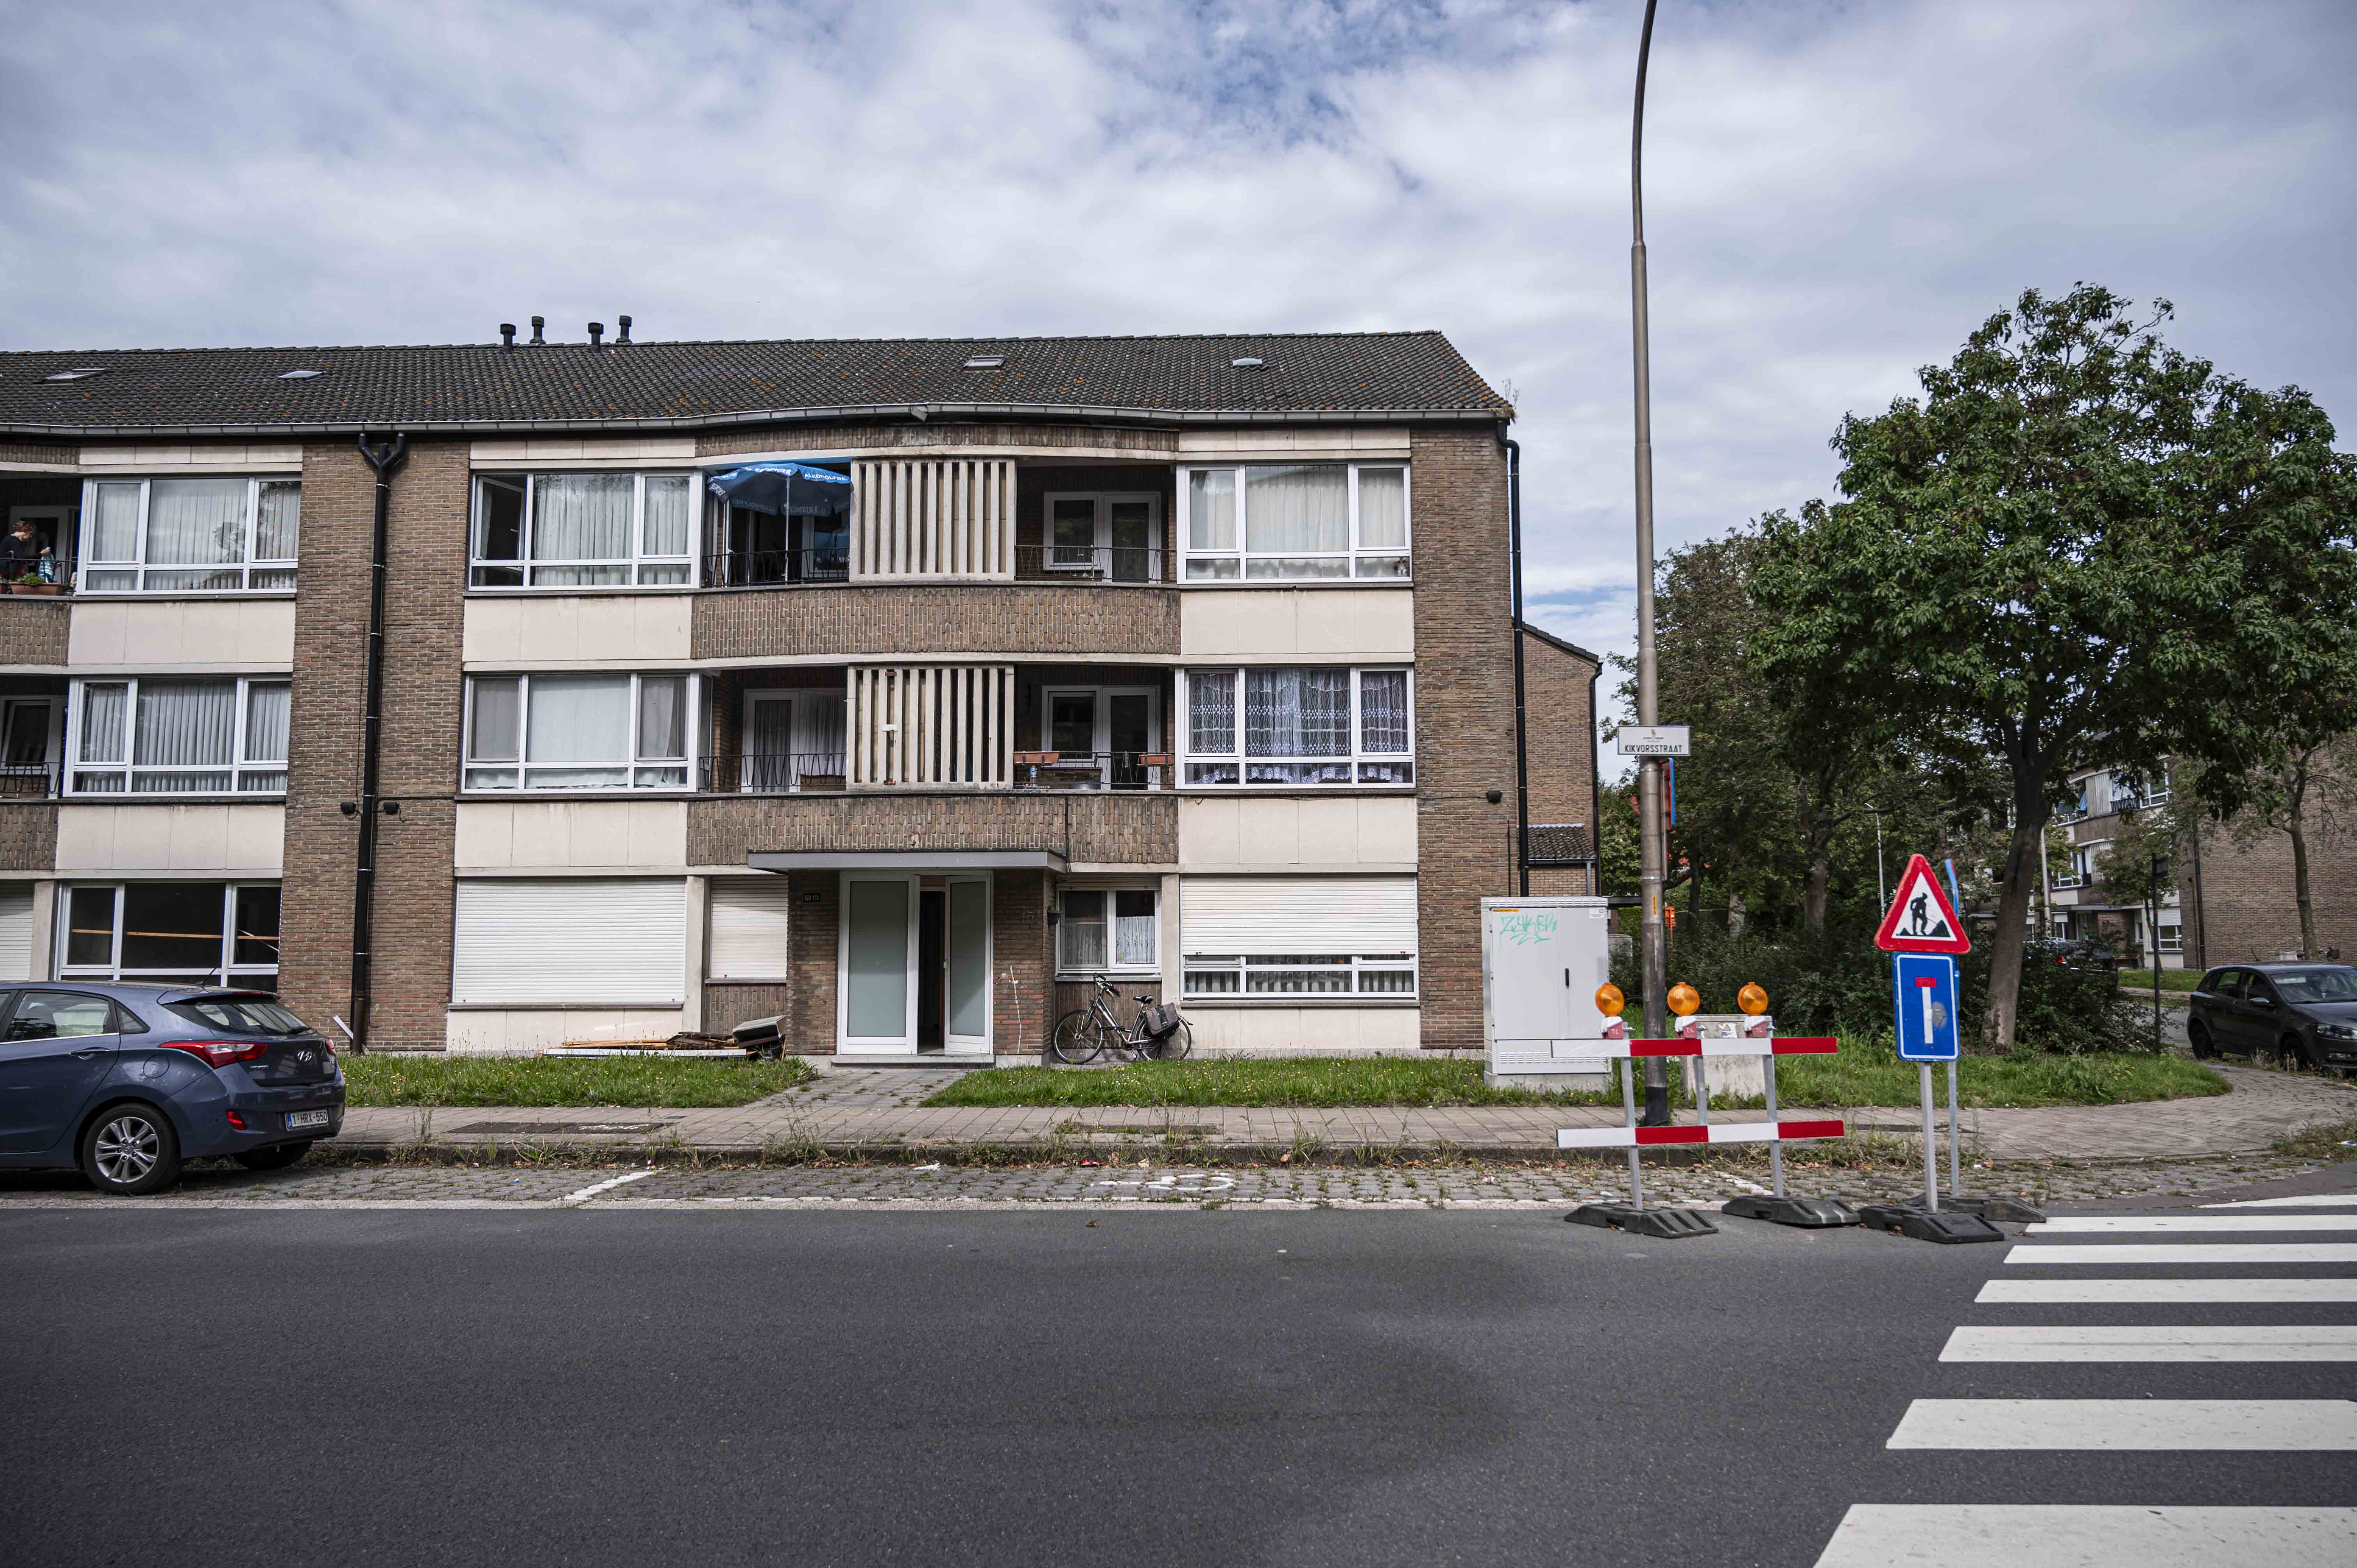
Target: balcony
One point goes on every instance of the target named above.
(1090, 563)
(31, 780)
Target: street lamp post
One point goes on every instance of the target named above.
(1654, 850)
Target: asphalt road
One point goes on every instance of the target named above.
(1119, 1388)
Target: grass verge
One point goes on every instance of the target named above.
(1870, 1075)
(2170, 979)
(621, 1081)
(2334, 1141)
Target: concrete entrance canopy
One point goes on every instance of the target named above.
(908, 860)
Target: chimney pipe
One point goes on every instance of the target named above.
(597, 332)
(624, 335)
(506, 335)
(537, 323)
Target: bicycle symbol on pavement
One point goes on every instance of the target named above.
(1191, 1181)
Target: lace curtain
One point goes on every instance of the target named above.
(1382, 711)
(1296, 712)
(1211, 715)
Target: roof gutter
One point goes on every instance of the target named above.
(931, 413)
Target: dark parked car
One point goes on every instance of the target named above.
(2303, 1014)
(2083, 953)
(126, 1082)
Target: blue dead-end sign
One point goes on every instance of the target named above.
(1925, 988)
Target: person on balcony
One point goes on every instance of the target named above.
(25, 555)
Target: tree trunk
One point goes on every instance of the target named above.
(1818, 891)
(2013, 922)
(2298, 829)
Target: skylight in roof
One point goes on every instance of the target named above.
(984, 362)
(297, 375)
(1246, 362)
(79, 373)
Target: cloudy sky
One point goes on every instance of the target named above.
(1836, 193)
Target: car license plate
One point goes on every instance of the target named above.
(298, 1119)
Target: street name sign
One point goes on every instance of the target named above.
(1655, 740)
(1921, 919)
(1924, 990)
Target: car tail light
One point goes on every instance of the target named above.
(236, 1121)
(221, 1053)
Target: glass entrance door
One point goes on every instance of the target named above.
(878, 979)
(913, 973)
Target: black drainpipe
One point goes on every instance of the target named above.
(1514, 450)
(1595, 796)
(385, 458)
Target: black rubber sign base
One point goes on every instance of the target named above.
(1913, 1219)
(1811, 1213)
(1667, 1223)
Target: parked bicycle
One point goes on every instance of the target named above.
(1157, 1032)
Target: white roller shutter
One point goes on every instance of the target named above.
(1298, 914)
(16, 932)
(582, 942)
(749, 915)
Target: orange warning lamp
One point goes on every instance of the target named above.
(1752, 999)
(1685, 1001)
(1608, 1000)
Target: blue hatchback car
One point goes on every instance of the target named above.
(128, 1081)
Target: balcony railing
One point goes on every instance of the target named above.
(772, 773)
(30, 780)
(1090, 563)
(777, 568)
(1093, 770)
(54, 579)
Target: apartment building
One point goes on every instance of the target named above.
(892, 688)
(2078, 905)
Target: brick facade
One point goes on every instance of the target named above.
(33, 629)
(1465, 720)
(1085, 828)
(2243, 908)
(880, 619)
(28, 837)
(426, 569)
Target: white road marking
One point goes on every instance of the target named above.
(2155, 1342)
(2047, 1535)
(2321, 1200)
(2034, 1292)
(2089, 1223)
(2189, 1252)
(594, 1188)
(2138, 1425)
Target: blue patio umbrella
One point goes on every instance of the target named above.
(783, 490)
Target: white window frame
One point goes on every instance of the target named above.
(1242, 558)
(1359, 967)
(72, 768)
(634, 765)
(138, 568)
(228, 972)
(1099, 562)
(1108, 890)
(1360, 759)
(635, 566)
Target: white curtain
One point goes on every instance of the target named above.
(1297, 509)
(1080, 935)
(279, 521)
(195, 522)
(1212, 508)
(1212, 715)
(492, 733)
(115, 535)
(1296, 712)
(1383, 509)
(581, 517)
(266, 721)
(663, 718)
(185, 723)
(1382, 711)
(102, 722)
(1133, 929)
(668, 502)
(579, 719)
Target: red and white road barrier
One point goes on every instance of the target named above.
(1765, 1045)
(1715, 1132)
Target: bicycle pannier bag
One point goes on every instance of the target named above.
(1158, 1018)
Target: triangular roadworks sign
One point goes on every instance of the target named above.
(1921, 917)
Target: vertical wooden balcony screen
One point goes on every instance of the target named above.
(931, 726)
(948, 517)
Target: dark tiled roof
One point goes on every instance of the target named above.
(685, 385)
(1559, 843)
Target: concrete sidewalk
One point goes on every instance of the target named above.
(871, 1110)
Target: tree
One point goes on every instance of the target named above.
(2046, 558)
(2309, 796)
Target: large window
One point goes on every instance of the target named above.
(149, 736)
(583, 531)
(1108, 931)
(190, 536)
(1268, 938)
(181, 933)
(1290, 725)
(1300, 522)
(579, 732)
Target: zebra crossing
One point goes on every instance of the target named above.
(2151, 1531)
